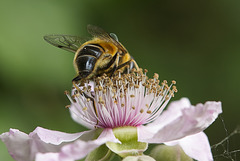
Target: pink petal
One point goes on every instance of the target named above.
(47, 157)
(15, 140)
(174, 110)
(73, 111)
(191, 120)
(23, 147)
(196, 146)
(54, 137)
(78, 149)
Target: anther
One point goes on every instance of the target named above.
(141, 111)
(100, 88)
(156, 76)
(132, 95)
(84, 88)
(74, 100)
(149, 111)
(104, 91)
(166, 98)
(136, 86)
(95, 89)
(66, 92)
(174, 82)
(67, 106)
(174, 88)
(121, 95)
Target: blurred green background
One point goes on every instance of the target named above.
(196, 43)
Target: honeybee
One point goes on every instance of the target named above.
(102, 54)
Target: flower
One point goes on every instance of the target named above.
(124, 112)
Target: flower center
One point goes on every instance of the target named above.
(121, 100)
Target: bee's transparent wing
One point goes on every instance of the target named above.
(66, 42)
(100, 33)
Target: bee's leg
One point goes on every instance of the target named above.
(94, 104)
(135, 64)
(127, 63)
(76, 79)
(93, 101)
(88, 97)
(113, 64)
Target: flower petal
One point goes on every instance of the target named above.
(15, 140)
(192, 120)
(23, 147)
(75, 116)
(78, 149)
(173, 111)
(74, 111)
(54, 137)
(196, 146)
(47, 157)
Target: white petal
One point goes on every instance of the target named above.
(23, 147)
(15, 140)
(196, 146)
(54, 137)
(47, 157)
(76, 118)
(78, 149)
(191, 121)
(74, 110)
(173, 111)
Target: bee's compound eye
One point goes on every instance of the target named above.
(86, 63)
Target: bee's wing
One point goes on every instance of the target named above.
(100, 33)
(66, 42)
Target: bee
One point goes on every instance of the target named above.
(102, 54)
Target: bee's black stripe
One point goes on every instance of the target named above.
(92, 50)
(99, 46)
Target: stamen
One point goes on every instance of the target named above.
(101, 107)
(132, 95)
(66, 92)
(149, 111)
(67, 106)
